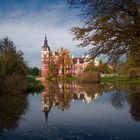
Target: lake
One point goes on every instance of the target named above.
(71, 111)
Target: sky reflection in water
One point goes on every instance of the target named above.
(73, 111)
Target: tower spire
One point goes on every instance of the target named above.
(46, 41)
(46, 46)
(45, 37)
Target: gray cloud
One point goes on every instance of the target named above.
(27, 30)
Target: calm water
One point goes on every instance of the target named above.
(72, 112)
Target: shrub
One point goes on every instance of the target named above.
(89, 77)
(133, 73)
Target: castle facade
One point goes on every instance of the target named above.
(49, 58)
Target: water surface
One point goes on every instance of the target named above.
(72, 111)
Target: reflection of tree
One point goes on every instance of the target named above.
(132, 96)
(91, 90)
(13, 101)
(134, 99)
(61, 94)
(65, 96)
(118, 99)
(12, 106)
(56, 95)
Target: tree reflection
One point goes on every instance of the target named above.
(13, 103)
(55, 94)
(11, 109)
(61, 94)
(91, 91)
(118, 98)
(134, 99)
(127, 93)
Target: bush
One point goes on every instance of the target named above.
(133, 73)
(33, 86)
(89, 77)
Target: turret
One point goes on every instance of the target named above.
(46, 47)
(45, 58)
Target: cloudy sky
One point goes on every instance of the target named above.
(26, 22)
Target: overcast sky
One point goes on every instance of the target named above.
(26, 22)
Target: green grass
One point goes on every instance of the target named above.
(30, 77)
(120, 79)
(60, 78)
(65, 78)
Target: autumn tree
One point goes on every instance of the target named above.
(111, 26)
(54, 67)
(65, 60)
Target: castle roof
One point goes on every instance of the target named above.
(46, 46)
(78, 60)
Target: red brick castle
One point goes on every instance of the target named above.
(78, 64)
(45, 57)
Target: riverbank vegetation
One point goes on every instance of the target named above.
(14, 70)
(120, 79)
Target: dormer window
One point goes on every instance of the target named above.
(78, 61)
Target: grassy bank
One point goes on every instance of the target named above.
(65, 78)
(61, 78)
(120, 79)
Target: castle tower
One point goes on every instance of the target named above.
(45, 58)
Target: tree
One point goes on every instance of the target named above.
(11, 60)
(112, 27)
(65, 60)
(54, 68)
(102, 68)
(34, 71)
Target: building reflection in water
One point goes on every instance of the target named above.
(61, 94)
(80, 93)
(45, 100)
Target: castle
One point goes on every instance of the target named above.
(78, 64)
